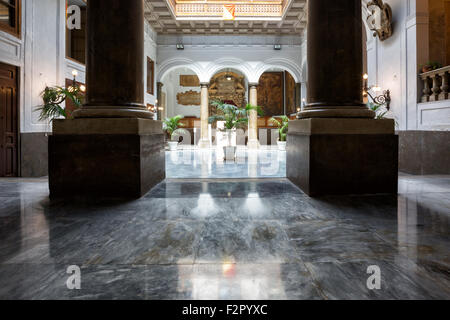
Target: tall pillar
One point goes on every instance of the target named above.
(335, 61)
(159, 86)
(115, 60)
(112, 147)
(336, 146)
(204, 116)
(253, 142)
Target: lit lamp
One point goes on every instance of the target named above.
(384, 98)
(74, 74)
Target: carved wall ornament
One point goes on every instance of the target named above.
(227, 86)
(189, 98)
(380, 19)
(189, 81)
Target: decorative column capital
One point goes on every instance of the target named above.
(253, 85)
(204, 84)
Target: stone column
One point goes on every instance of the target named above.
(159, 86)
(112, 147)
(204, 115)
(253, 142)
(115, 60)
(336, 146)
(335, 61)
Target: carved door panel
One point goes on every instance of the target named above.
(8, 121)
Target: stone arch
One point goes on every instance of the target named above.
(228, 63)
(173, 64)
(280, 63)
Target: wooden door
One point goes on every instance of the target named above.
(8, 121)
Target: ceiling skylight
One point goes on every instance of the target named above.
(229, 9)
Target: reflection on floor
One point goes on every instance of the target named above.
(191, 162)
(233, 239)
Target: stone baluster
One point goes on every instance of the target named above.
(445, 86)
(426, 89)
(436, 88)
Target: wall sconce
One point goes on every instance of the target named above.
(384, 98)
(277, 47)
(74, 74)
(180, 46)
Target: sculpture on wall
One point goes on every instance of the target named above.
(380, 19)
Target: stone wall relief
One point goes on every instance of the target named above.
(189, 98)
(380, 19)
(228, 87)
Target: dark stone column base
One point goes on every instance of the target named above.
(337, 160)
(123, 165)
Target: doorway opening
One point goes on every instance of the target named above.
(278, 95)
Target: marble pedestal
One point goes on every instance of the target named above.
(116, 157)
(328, 156)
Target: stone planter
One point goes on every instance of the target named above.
(281, 145)
(229, 150)
(173, 145)
(229, 153)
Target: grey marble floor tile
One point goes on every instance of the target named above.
(245, 242)
(337, 241)
(399, 280)
(226, 239)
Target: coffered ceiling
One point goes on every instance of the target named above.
(194, 17)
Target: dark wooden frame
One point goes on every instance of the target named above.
(18, 115)
(150, 80)
(67, 39)
(16, 30)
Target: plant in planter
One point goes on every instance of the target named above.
(282, 124)
(234, 118)
(172, 126)
(430, 66)
(379, 109)
(54, 97)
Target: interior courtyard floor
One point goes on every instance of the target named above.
(226, 239)
(192, 162)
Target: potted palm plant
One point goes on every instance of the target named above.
(54, 97)
(233, 118)
(172, 126)
(282, 124)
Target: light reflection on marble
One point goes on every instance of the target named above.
(191, 162)
(226, 239)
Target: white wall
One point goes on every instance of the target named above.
(252, 56)
(40, 53)
(150, 48)
(172, 87)
(393, 64)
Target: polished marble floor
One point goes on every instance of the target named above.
(191, 162)
(226, 239)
